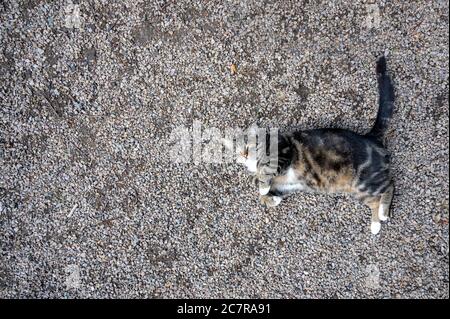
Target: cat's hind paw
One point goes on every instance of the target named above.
(383, 212)
(375, 227)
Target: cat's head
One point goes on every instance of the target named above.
(252, 148)
(243, 146)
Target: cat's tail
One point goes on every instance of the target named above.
(385, 102)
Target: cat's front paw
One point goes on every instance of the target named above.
(270, 201)
(263, 189)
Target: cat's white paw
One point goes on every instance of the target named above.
(264, 190)
(270, 201)
(375, 227)
(276, 200)
(382, 213)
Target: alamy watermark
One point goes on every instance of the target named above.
(199, 144)
(73, 280)
(372, 279)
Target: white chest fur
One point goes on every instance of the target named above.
(292, 183)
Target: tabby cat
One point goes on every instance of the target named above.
(329, 160)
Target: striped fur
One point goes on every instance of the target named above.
(334, 161)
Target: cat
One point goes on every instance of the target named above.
(327, 160)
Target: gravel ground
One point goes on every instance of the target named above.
(91, 204)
